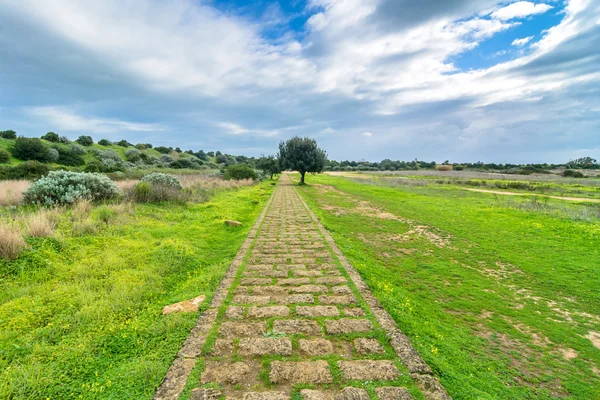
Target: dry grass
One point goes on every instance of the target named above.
(11, 242)
(81, 210)
(443, 167)
(126, 184)
(211, 182)
(11, 192)
(43, 223)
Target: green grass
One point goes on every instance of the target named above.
(494, 304)
(80, 317)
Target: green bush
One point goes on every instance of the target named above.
(123, 143)
(69, 157)
(9, 134)
(51, 137)
(78, 149)
(26, 170)
(570, 173)
(53, 155)
(133, 155)
(64, 187)
(4, 156)
(240, 171)
(162, 179)
(85, 140)
(104, 142)
(31, 149)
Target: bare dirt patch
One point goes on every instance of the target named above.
(594, 337)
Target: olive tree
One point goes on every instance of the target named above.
(302, 155)
(269, 164)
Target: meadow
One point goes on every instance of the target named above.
(80, 307)
(498, 293)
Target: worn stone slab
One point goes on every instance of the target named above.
(184, 306)
(205, 394)
(354, 312)
(267, 312)
(315, 347)
(269, 290)
(347, 325)
(256, 281)
(340, 290)
(331, 280)
(297, 327)
(369, 370)
(309, 274)
(317, 311)
(299, 299)
(344, 299)
(264, 346)
(294, 281)
(222, 347)
(235, 312)
(393, 393)
(228, 373)
(432, 388)
(294, 372)
(266, 396)
(348, 393)
(366, 346)
(242, 329)
(309, 289)
(245, 299)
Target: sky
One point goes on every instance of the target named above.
(458, 80)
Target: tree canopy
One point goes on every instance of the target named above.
(302, 155)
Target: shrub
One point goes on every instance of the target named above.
(162, 179)
(166, 159)
(70, 157)
(78, 149)
(26, 170)
(64, 139)
(123, 143)
(104, 142)
(106, 214)
(85, 140)
(185, 163)
(459, 167)
(11, 242)
(63, 187)
(142, 192)
(569, 173)
(30, 149)
(53, 155)
(133, 155)
(9, 134)
(163, 149)
(444, 167)
(4, 156)
(51, 137)
(239, 171)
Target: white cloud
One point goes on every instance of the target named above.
(367, 134)
(233, 129)
(520, 9)
(63, 118)
(328, 131)
(522, 41)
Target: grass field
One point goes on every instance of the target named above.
(80, 315)
(501, 299)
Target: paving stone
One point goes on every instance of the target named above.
(331, 280)
(334, 272)
(267, 312)
(300, 372)
(235, 312)
(369, 370)
(309, 289)
(315, 347)
(300, 298)
(259, 267)
(222, 347)
(242, 329)
(365, 346)
(263, 346)
(256, 281)
(393, 393)
(341, 290)
(317, 311)
(265, 396)
(311, 394)
(354, 312)
(344, 299)
(273, 274)
(297, 327)
(431, 387)
(293, 281)
(269, 291)
(205, 394)
(347, 325)
(228, 373)
(308, 273)
(291, 267)
(352, 393)
(244, 299)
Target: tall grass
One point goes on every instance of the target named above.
(11, 241)
(11, 192)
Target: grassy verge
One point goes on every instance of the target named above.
(501, 302)
(80, 316)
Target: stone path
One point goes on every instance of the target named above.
(293, 316)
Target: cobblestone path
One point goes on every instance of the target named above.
(293, 318)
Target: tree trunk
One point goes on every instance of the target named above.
(302, 177)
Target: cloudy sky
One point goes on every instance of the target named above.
(465, 80)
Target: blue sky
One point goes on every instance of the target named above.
(464, 80)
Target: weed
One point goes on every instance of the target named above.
(11, 242)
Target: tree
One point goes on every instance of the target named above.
(31, 149)
(85, 140)
(51, 137)
(104, 142)
(9, 134)
(302, 155)
(269, 164)
(124, 143)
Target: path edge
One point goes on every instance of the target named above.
(418, 368)
(177, 375)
